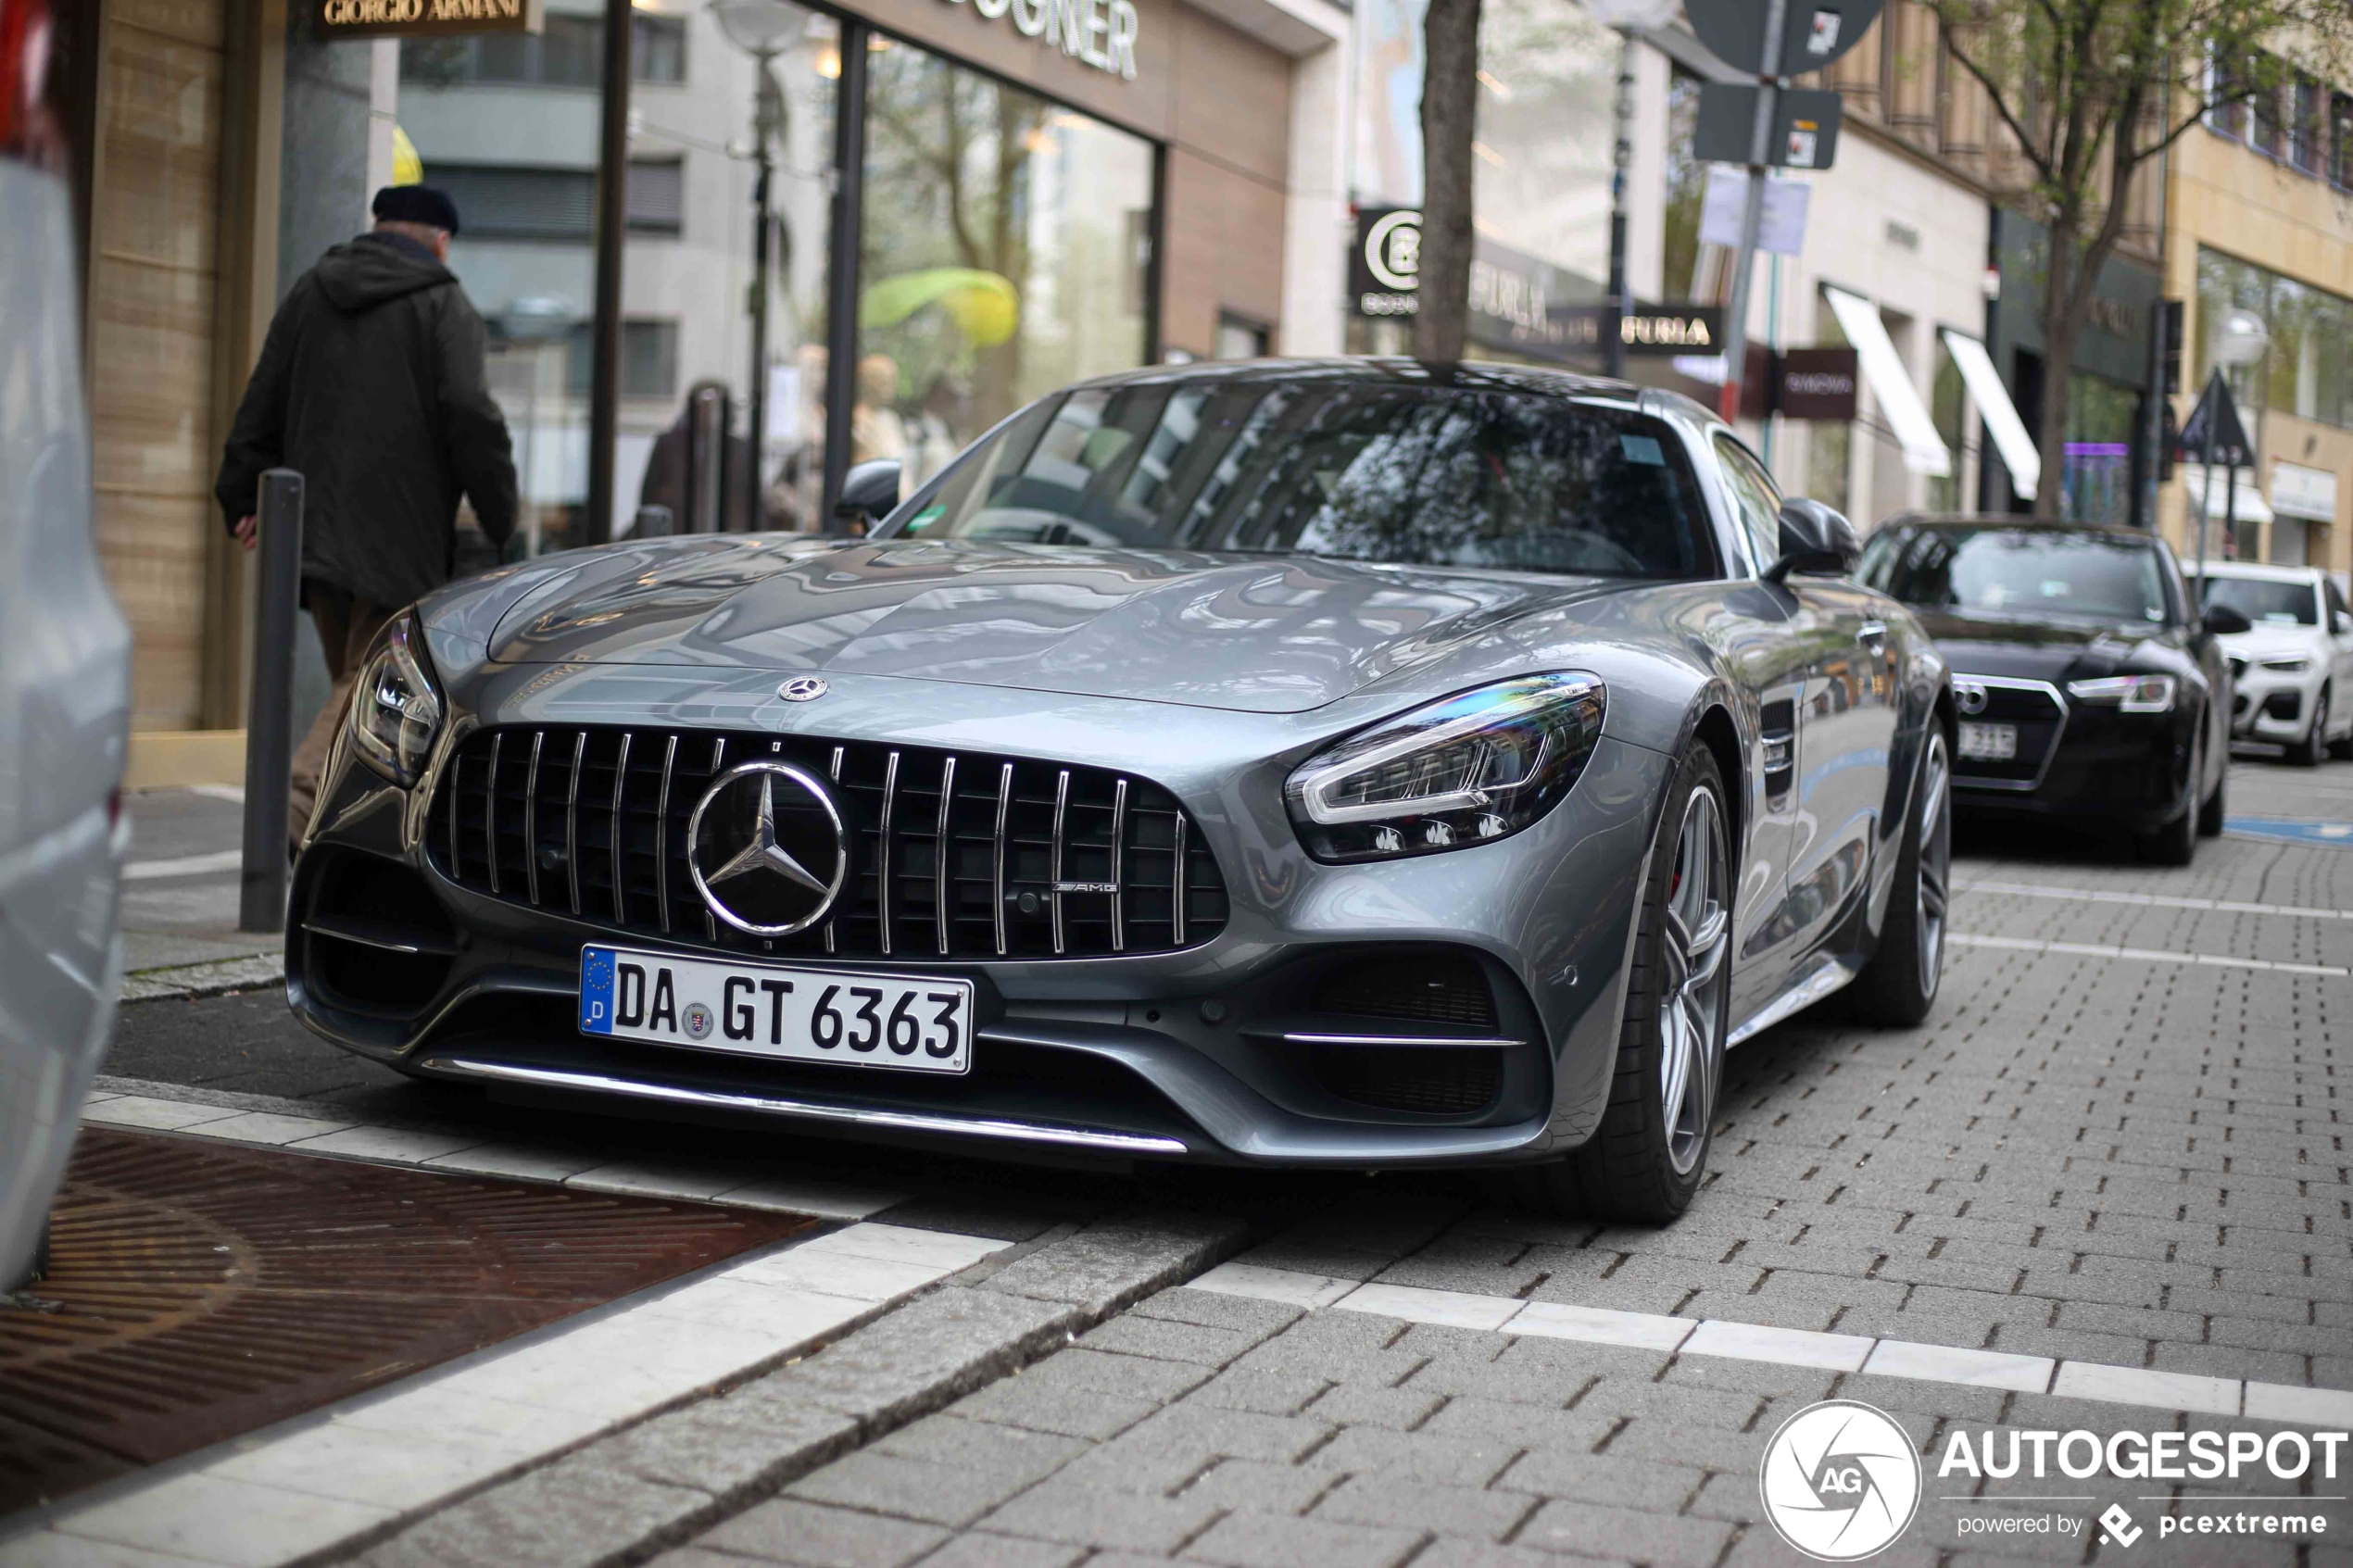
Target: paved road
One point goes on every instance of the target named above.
(2120, 1141)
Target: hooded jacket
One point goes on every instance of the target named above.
(370, 386)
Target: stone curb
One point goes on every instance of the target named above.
(632, 1493)
(213, 978)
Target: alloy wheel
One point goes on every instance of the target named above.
(1933, 887)
(1698, 937)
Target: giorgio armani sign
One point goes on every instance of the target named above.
(422, 18)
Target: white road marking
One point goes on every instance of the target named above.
(186, 865)
(2155, 900)
(1715, 1336)
(2147, 955)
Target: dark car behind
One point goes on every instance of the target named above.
(2089, 688)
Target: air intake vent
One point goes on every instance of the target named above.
(1426, 987)
(1441, 1079)
(953, 855)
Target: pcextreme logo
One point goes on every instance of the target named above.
(1840, 1480)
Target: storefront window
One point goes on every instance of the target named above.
(1003, 254)
(690, 279)
(2309, 369)
(2096, 481)
(1948, 405)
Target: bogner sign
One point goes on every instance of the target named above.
(425, 18)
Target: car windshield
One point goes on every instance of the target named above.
(2276, 604)
(2032, 574)
(1360, 470)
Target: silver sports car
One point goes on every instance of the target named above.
(1344, 763)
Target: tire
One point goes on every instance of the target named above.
(2175, 844)
(2313, 749)
(2210, 815)
(1898, 986)
(1646, 1161)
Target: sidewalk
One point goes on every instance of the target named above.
(179, 914)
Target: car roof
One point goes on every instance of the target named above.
(2013, 519)
(2261, 571)
(1469, 374)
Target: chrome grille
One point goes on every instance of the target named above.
(953, 855)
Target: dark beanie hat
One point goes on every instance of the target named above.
(416, 204)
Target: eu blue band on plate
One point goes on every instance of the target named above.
(596, 990)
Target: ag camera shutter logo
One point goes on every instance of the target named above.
(1840, 1481)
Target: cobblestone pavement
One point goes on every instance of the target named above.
(2135, 1162)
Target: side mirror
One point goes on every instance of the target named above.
(2224, 621)
(1815, 540)
(869, 494)
(2340, 623)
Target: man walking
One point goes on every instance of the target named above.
(370, 386)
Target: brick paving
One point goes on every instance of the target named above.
(2124, 1162)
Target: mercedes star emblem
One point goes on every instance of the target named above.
(802, 688)
(779, 846)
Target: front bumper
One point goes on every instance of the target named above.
(2273, 707)
(1232, 1051)
(2130, 770)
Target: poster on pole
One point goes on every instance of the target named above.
(1786, 201)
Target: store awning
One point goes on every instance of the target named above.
(1993, 406)
(2250, 505)
(1899, 402)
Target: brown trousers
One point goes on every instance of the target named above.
(347, 624)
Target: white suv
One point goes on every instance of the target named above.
(2293, 668)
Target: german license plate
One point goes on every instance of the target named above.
(1989, 743)
(848, 1018)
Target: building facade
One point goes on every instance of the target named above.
(2260, 219)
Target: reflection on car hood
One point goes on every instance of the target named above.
(2040, 649)
(1265, 633)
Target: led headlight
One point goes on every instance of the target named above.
(2133, 694)
(1460, 771)
(2289, 666)
(395, 709)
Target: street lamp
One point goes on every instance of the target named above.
(1630, 18)
(760, 29)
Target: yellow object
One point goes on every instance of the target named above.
(407, 169)
(165, 758)
(985, 306)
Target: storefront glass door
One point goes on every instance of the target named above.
(1004, 254)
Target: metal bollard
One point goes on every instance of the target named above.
(261, 893)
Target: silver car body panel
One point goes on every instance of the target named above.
(65, 700)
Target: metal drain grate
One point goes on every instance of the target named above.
(198, 1291)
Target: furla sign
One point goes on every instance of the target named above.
(1096, 33)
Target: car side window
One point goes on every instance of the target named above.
(2335, 598)
(1758, 502)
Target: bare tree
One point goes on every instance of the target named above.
(2091, 91)
(1450, 116)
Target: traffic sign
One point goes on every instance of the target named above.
(1814, 32)
(1804, 130)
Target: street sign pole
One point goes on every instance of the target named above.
(1623, 158)
(2206, 495)
(1753, 207)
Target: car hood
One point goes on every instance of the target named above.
(2044, 649)
(2273, 642)
(1261, 633)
